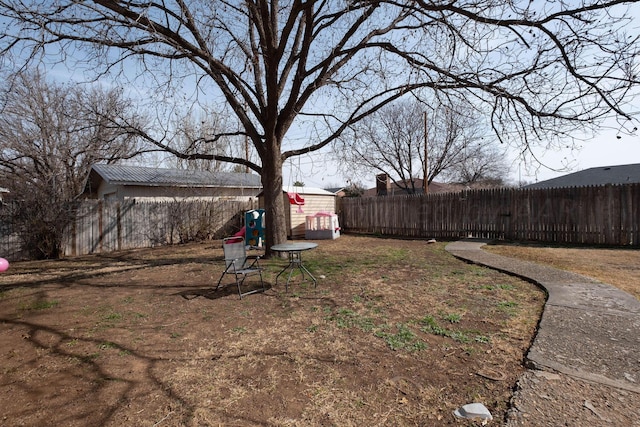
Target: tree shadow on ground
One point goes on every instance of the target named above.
(223, 291)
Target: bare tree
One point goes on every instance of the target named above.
(389, 141)
(481, 165)
(462, 149)
(318, 67)
(193, 135)
(392, 141)
(51, 135)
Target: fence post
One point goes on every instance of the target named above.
(118, 227)
(100, 226)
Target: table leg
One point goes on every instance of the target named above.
(295, 260)
(282, 271)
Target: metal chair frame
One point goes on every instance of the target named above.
(239, 264)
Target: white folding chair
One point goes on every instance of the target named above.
(238, 264)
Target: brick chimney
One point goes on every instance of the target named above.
(383, 184)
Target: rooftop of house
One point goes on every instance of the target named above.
(602, 175)
(434, 187)
(138, 175)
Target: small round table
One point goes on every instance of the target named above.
(295, 259)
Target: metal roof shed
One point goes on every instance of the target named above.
(119, 182)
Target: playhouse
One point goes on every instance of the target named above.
(323, 225)
(300, 202)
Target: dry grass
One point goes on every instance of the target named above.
(398, 333)
(617, 267)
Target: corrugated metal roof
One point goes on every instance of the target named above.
(137, 175)
(603, 175)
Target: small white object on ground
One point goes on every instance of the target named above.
(473, 410)
(322, 276)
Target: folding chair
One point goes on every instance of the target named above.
(239, 264)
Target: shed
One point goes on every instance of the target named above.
(120, 182)
(315, 200)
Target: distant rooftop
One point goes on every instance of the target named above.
(434, 187)
(306, 190)
(334, 190)
(603, 175)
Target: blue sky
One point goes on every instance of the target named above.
(320, 170)
(603, 150)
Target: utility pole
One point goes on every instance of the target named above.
(425, 166)
(246, 152)
(246, 144)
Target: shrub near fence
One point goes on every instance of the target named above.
(9, 242)
(606, 215)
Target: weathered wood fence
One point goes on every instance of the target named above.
(102, 226)
(603, 215)
(608, 215)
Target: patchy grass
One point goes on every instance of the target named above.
(394, 334)
(38, 305)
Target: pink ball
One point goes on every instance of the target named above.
(4, 265)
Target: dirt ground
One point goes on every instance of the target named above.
(396, 333)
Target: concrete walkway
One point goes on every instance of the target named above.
(588, 338)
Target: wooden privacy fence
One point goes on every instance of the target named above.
(606, 215)
(102, 226)
(110, 226)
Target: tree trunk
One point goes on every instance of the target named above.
(275, 220)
